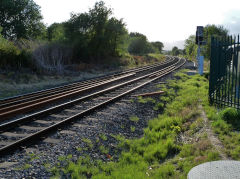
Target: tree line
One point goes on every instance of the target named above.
(87, 37)
(190, 47)
(210, 30)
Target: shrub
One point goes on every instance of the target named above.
(13, 56)
(52, 57)
(230, 115)
(8, 54)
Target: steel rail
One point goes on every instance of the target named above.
(83, 88)
(32, 137)
(11, 124)
(139, 69)
(60, 89)
(10, 111)
(50, 92)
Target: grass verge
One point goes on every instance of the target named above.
(226, 124)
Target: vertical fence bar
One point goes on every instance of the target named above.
(225, 70)
(217, 72)
(232, 72)
(223, 49)
(220, 70)
(211, 71)
(229, 66)
(238, 76)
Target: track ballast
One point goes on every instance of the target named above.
(69, 103)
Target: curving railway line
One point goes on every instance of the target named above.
(26, 119)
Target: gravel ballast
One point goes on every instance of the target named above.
(92, 135)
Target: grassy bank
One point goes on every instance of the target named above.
(172, 143)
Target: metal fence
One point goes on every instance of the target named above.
(224, 89)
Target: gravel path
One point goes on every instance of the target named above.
(93, 135)
(213, 137)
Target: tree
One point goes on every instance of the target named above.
(99, 16)
(190, 47)
(20, 19)
(95, 34)
(158, 45)
(215, 31)
(115, 36)
(139, 44)
(56, 32)
(175, 51)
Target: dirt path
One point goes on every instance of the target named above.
(212, 137)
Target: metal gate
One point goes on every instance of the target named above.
(224, 89)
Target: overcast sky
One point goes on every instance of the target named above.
(168, 21)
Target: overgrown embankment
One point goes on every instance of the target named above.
(172, 144)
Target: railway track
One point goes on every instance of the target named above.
(21, 104)
(69, 103)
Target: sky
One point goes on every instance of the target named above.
(168, 21)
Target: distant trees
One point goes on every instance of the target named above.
(94, 34)
(190, 47)
(158, 45)
(91, 37)
(175, 51)
(215, 31)
(11, 57)
(140, 45)
(56, 32)
(209, 31)
(8, 52)
(20, 19)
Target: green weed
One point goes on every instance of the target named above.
(158, 106)
(132, 128)
(103, 137)
(213, 156)
(103, 149)
(196, 125)
(88, 142)
(134, 119)
(26, 166)
(32, 156)
(146, 100)
(165, 171)
(79, 149)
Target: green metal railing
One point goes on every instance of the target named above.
(224, 89)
